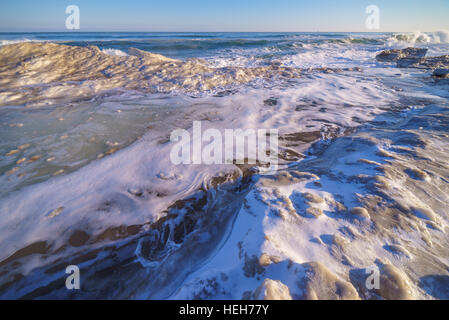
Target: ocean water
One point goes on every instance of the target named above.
(86, 177)
(237, 46)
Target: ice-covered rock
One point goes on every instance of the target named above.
(394, 284)
(322, 284)
(272, 290)
(397, 54)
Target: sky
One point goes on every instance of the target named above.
(225, 15)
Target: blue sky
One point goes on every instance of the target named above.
(225, 15)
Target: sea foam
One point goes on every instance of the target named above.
(420, 37)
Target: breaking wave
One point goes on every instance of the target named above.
(82, 72)
(420, 37)
(114, 52)
(6, 42)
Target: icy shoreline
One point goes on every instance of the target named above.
(364, 183)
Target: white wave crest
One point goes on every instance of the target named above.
(114, 52)
(420, 37)
(6, 42)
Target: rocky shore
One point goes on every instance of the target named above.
(416, 58)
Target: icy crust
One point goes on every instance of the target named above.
(33, 73)
(377, 198)
(46, 142)
(115, 211)
(144, 167)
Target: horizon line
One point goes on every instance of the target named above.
(134, 31)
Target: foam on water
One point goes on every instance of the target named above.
(297, 110)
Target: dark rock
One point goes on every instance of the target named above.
(415, 58)
(409, 63)
(441, 62)
(441, 73)
(78, 238)
(40, 247)
(270, 102)
(397, 54)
